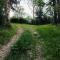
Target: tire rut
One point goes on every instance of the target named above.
(4, 51)
(38, 48)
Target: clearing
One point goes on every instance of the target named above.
(37, 42)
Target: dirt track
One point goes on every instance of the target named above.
(4, 51)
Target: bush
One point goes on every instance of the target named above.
(32, 22)
(19, 20)
(39, 21)
(22, 20)
(14, 20)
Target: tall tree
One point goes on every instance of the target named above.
(56, 8)
(5, 6)
(39, 5)
(19, 12)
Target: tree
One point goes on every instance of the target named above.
(1, 11)
(19, 11)
(5, 6)
(56, 9)
(36, 4)
(39, 4)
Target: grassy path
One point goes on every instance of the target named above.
(4, 51)
(38, 47)
(38, 52)
(28, 43)
(7, 33)
(37, 43)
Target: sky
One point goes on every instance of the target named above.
(28, 9)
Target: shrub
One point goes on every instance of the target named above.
(39, 21)
(19, 20)
(22, 20)
(14, 20)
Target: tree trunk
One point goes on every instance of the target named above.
(58, 2)
(6, 21)
(55, 12)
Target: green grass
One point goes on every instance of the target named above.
(20, 50)
(50, 39)
(7, 33)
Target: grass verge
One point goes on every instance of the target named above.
(50, 39)
(7, 33)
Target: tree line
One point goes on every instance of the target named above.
(5, 6)
(53, 8)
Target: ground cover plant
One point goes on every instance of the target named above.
(50, 39)
(23, 48)
(7, 33)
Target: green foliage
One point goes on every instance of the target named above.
(14, 20)
(39, 10)
(19, 20)
(20, 49)
(25, 42)
(50, 39)
(7, 33)
(38, 2)
(4, 11)
(56, 9)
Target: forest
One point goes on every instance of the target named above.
(29, 29)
